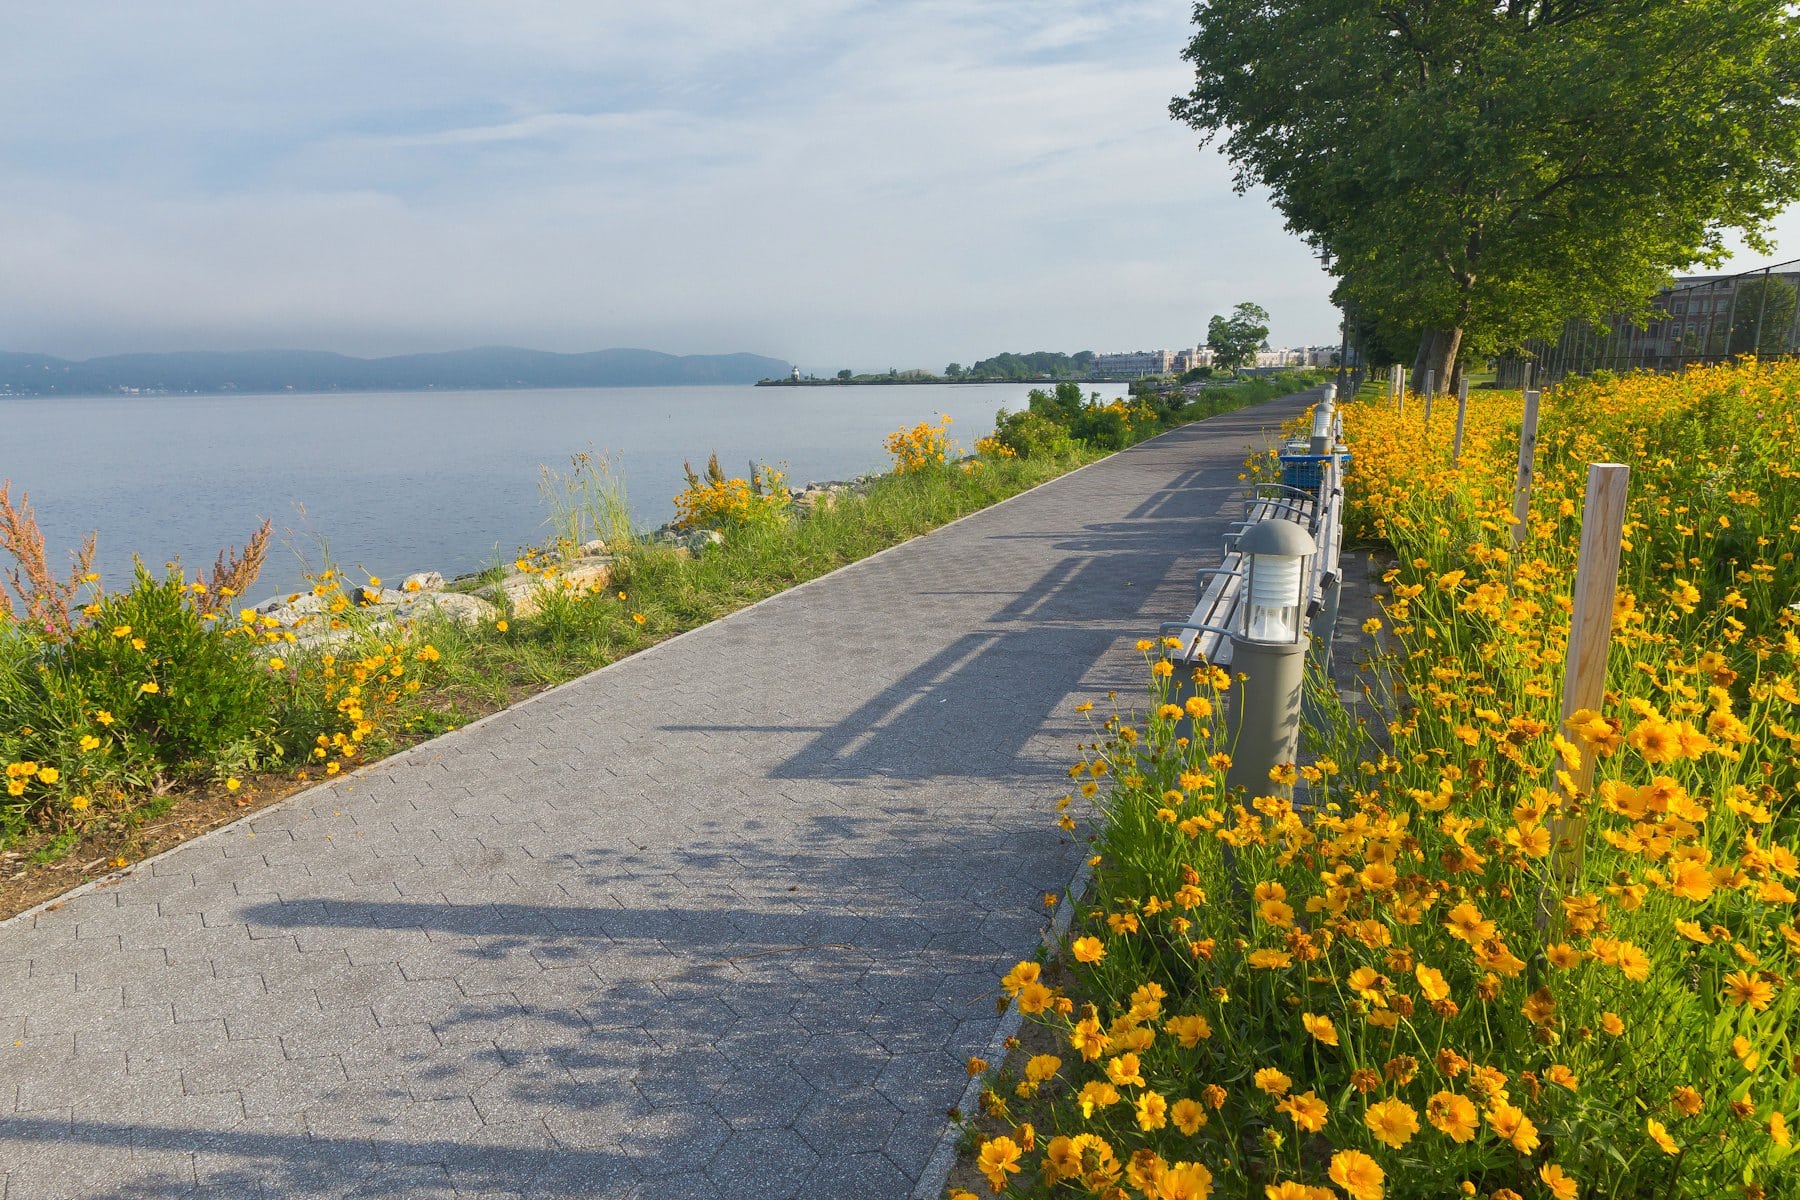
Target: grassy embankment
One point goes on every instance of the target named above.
(131, 719)
(1393, 994)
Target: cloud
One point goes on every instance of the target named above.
(859, 184)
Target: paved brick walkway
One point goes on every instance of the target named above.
(721, 920)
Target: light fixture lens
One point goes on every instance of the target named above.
(1274, 613)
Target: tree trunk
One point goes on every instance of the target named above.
(1437, 355)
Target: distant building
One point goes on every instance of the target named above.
(1699, 319)
(1135, 364)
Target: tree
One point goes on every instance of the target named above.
(953, 371)
(1763, 316)
(844, 374)
(1234, 340)
(1488, 170)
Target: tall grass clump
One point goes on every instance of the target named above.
(586, 503)
(1384, 990)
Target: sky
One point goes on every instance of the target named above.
(896, 183)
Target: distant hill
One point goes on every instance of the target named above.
(318, 371)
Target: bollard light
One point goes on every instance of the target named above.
(1321, 427)
(1276, 553)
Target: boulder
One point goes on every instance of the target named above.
(422, 581)
(464, 610)
(292, 609)
(522, 594)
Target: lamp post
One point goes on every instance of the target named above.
(1269, 654)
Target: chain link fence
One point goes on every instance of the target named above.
(1702, 319)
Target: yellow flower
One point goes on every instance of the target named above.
(1307, 1111)
(1692, 931)
(1088, 949)
(89, 742)
(1272, 1081)
(1393, 1122)
(1190, 1029)
(1431, 983)
(1561, 1186)
(1659, 1133)
(277, 664)
(1687, 1100)
(104, 717)
(1743, 988)
(1359, 1175)
(78, 803)
(1562, 1077)
(48, 774)
(150, 688)
(233, 784)
(639, 617)
(1095, 1094)
(1610, 1022)
(1088, 1039)
(121, 631)
(502, 626)
(1320, 1028)
(1188, 1116)
(1124, 1070)
(1042, 1067)
(1270, 960)
(1514, 1126)
(1152, 1111)
(1452, 1115)
(999, 1158)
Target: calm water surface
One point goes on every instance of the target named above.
(401, 482)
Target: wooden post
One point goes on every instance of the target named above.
(1522, 481)
(1462, 416)
(1428, 391)
(1584, 671)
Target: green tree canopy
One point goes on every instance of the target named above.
(1488, 169)
(1234, 340)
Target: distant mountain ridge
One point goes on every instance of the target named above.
(320, 371)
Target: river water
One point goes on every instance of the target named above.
(398, 482)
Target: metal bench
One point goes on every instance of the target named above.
(1205, 637)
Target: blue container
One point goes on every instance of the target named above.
(1307, 471)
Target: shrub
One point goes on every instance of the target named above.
(714, 502)
(924, 447)
(1035, 435)
(144, 692)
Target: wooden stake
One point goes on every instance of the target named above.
(1522, 481)
(1590, 636)
(1462, 416)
